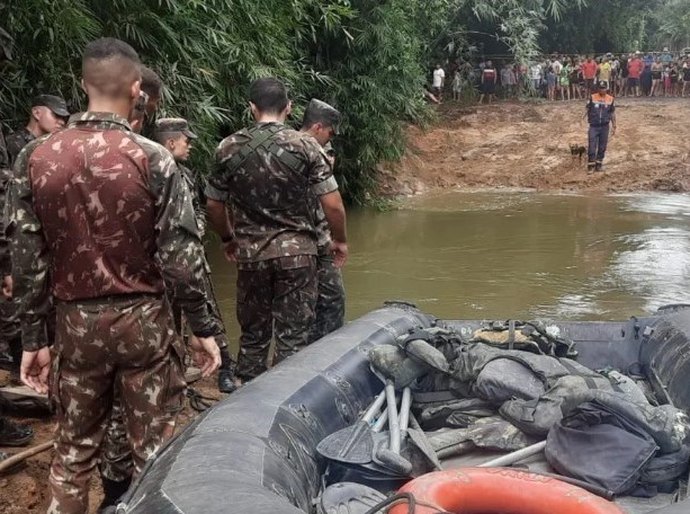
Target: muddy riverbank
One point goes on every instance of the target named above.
(527, 145)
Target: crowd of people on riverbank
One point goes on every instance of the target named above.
(106, 288)
(566, 77)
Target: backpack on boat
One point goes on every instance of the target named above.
(626, 448)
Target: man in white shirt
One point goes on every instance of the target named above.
(557, 67)
(535, 75)
(438, 81)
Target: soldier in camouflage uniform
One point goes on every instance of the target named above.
(48, 114)
(116, 465)
(106, 214)
(265, 174)
(175, 135)
(11, 434)
(321, 121)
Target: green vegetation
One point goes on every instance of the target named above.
(370, 58)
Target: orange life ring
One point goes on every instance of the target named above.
(500, 490)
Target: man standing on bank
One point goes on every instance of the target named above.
(266, 174)
(601, 113)
(321, 121)
(48, 114)
(175, 135)
(105, 214)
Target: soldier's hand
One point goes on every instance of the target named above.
(205, 353)
(230, 249)
(7, 286)
(35, 368)
(340, 253)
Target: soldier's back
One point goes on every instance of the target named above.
(267, 171)
(96, 208)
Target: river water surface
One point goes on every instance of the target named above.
(513, 255)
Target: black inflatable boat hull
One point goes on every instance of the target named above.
(255, 451)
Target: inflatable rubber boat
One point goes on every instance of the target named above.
(256, 450)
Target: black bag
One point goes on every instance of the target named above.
(601, 447)
(600, 442)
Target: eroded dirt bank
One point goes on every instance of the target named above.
(526, 145)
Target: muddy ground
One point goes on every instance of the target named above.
(26, 489)
(526, 145)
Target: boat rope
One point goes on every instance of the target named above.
(412, 503)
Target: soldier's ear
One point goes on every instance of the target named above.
(288, 109)
(83, 86)
(36, 113)
(253, 109)
(135, 90)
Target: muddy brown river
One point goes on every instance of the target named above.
(513, 255)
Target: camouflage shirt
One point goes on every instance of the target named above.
(269, 199)
(16, 141)
(104, 212)
(197, 186)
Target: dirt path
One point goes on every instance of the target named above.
(526, 145)
(26, 490)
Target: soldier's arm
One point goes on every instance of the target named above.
(29, 254)
(324, 185)
(333, 208)
(180, 253)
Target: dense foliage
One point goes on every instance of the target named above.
(370, 58)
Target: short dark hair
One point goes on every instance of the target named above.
(108, 48)
(110, 66)
(151, 83)
(269, 95)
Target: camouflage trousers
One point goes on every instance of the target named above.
(275, 298)
(128, 343)
(330, 305)
(10, 337)
(116, 456)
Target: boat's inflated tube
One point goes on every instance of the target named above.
(256, 451)
(509, 491)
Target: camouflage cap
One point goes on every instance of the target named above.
(321, 110)
(168, 125)
(52, 102)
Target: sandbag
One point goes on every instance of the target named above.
(422, 352)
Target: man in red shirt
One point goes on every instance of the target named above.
(635, 67)
(589, 72)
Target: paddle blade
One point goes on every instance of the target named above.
(351, 445)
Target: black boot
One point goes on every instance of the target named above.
(226, 372)
(112, 492)
(13, 434)
(599, 167)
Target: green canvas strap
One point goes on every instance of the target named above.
(262, 137)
